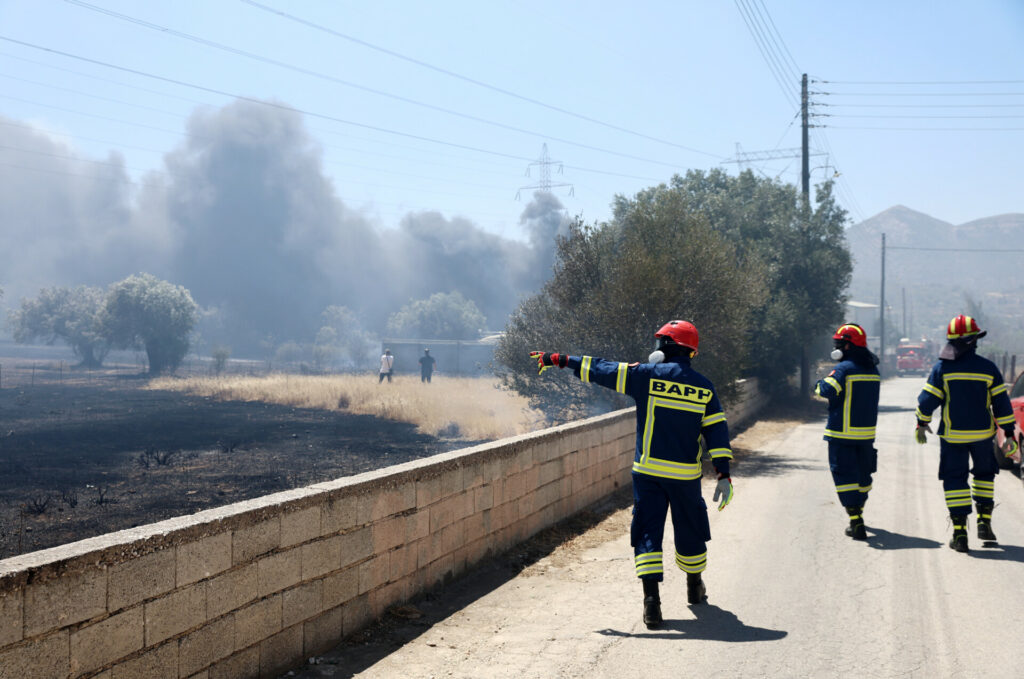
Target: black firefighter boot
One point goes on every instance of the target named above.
(652, 604)
(959, 539)
(695, 589)
(985, 533)
(856, 529)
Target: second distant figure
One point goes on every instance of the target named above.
(427, 363)
(387, 366)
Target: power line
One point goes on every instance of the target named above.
(920, 94)
(313, 114)
(459, 76)
(842, 105)
(922, 117)
(989, 250)
(364, 88)
(921, 82)
(926, 129)
(795, 70)
(779, 77)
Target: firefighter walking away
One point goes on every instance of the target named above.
(676, 407)
(971, 392)
(852, 393)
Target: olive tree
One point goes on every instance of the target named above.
(615, 283)
(807, 257)
(441, 316)
(145, 311)
(71, 315)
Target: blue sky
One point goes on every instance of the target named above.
(684, 82)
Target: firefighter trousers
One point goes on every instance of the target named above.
(653, 496)
(852, 463)
(954, 465)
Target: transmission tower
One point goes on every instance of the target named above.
(545, 183)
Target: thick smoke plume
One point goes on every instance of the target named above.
(243, 215)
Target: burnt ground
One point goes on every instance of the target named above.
(89, 455)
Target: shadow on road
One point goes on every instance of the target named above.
(879, 538)
(748, 464)
(896, 409)
(712, 623)
(998, 552)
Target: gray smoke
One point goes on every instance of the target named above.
(245, 218)
(65, 220)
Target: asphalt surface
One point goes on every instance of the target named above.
(789, 595)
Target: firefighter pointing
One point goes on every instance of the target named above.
(852, 392)
(675, 407)
(972, 394)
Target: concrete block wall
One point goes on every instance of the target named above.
(253, 588)
(746, 404)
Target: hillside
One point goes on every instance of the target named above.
(940, 284)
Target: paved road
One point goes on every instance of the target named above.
(789, 594)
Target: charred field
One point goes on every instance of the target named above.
(88, 454)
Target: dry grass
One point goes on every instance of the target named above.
(462, 407)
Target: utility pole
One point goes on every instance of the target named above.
(805, 185)
(805, 171)
(881, 312)
(905, 313)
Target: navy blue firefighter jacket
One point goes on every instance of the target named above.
(675, 407)
(973, 397)
(852, 392)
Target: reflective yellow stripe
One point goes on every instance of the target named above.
(921, 416)
(720, 452)
(834, 384)
(1006, 419)
(981, 377)
(647, 563)
(585, 369)
(995, 391)
(669, 470)
(712, 419)
(934, 391)
(960, 497)
(865, 489)
(653, 403)
(692, 564)
(620, 378)
(967, 435)
(847, 487)
(854, 434)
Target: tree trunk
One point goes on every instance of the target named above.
(805, 374)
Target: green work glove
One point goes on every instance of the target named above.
(1009, 446)
(546, 359)
(920, 431)
(723, 490)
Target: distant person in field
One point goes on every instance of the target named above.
(387, 366)
(427, 363)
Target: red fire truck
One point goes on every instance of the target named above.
(913, 357)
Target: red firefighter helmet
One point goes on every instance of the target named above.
(683, 333)
(852, 333)
(963, 327)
